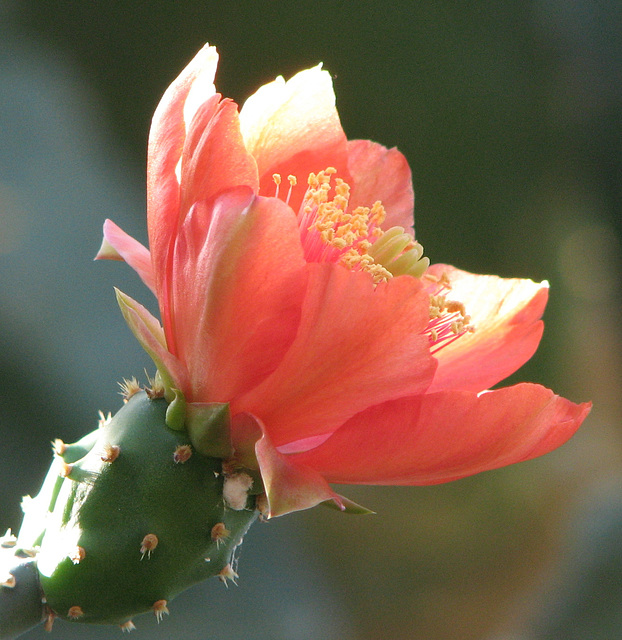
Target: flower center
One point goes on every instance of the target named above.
(330, 232)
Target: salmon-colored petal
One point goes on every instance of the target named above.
(193, 87)
(382, 174)
(214, 157)
(357, 345)
(505, 313)
(445, 436)
(289, 487)
(118, 245)
(149, 333)
(239, 280)
(293, 128)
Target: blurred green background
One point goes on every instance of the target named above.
(510, 115)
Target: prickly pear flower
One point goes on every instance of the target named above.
(304, 336)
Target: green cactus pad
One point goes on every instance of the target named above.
(133, 524)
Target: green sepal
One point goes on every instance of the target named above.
(209, 428)
(176, 412)
(348, 506)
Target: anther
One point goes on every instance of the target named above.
(149, 543)
(277, 181)
(448, 318)
(456, 307)
(293, 181)
(127, 626)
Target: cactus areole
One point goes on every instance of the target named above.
(129, 517)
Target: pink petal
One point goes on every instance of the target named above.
(381, 174)
(148, 332)
(239, 278)
(445, 436)
(166, 141)
(289, 487)
(214, 157)
(293, 128)
(118, 245)
(357, 345)
(506, 315)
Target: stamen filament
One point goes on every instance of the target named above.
(448, 318)
(292, 183)
(277, 181)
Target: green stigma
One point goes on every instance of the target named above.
(399, 254)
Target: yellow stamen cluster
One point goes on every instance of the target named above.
(440, 306)
(448, 318)
(355, 238)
